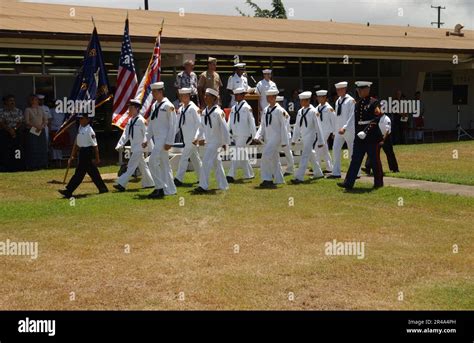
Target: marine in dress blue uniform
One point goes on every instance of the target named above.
(367, 116)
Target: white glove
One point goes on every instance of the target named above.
(362, 135)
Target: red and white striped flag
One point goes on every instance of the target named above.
(127, 83)
(152, 75)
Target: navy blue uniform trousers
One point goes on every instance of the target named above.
(372, 149)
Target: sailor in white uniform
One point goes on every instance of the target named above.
(135, 132)
(274, 133)
(189, 124)
(328, 120)
(345, 106)
(308, 127)
(216, 135)
(261, 89)
(162, 130)
(243, 131)
(237, 80)
(290, 161)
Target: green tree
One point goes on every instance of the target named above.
(278, 10)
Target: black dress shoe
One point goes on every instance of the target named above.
(296, 181)
(120, 188)
(157, 194)
(287, 174)
(177, 182)
(103, 190)
(199, 190)
(378, 186)
(230, 179)
(396, 171)
(343, 185)
(267, 184)
(327, 171)
(333, 176)
(65, 193)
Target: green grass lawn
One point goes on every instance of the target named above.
(246, 248)
(435, 162)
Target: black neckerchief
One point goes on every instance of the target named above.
(130, 128)
(339, 107)
(268, 116)
(320, 110)
(237, 111)
(303, 117)
(182, 119)
(207, 116)
(157, 108)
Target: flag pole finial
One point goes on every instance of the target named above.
(93, 22)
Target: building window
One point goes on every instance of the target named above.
(438, 81)
(391, 68)
(337, 67)
(314, 67)
(365, 67)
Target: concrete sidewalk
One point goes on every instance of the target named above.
(438, 187)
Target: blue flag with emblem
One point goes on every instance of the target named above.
(91, 82)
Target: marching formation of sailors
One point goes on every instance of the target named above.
(359, 124)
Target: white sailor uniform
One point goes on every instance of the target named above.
(308, 127)
(327, 117)
(135, 132)
(344, 119)
(261, 90)
(216, 134)
(243, 131)
(162, 129)
(235, 81)
(274, 133)
(189, 125)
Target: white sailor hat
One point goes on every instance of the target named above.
(362, 84)
(135, 102)
(280, 98)
(240, 90)
(266, 71)
(305, 95)
(40, 96)
(272, 91)
(322, 92)
(342, 84)
(240, 65)
(212, 60)
(212, 92)
(184, 91)
(85, 115)
(158, 85)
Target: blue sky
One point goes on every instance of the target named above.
(414, 12)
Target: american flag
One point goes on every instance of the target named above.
(152, 75)
(127, 83)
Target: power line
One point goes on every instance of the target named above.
(439, 23)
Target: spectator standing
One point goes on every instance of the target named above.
(36, 145)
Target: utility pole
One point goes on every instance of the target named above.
(146, 5)
(439, 23)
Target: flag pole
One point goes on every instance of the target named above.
(93, 22)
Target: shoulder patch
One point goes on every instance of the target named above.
(93, 136)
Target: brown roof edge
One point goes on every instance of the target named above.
(210, 42)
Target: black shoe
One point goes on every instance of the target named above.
(157, 194)
(357, 177)
(378, 186)
(230, 179)
(103, 190)
(199, 190)
(296, 181)
(343, 185)
(317, 177)
(267, 184)
(287, 174)
(333, 176)
(149, 187)
(396, 171)
(65, 193)
(327, 171)
(120, 188)
(177, 183)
